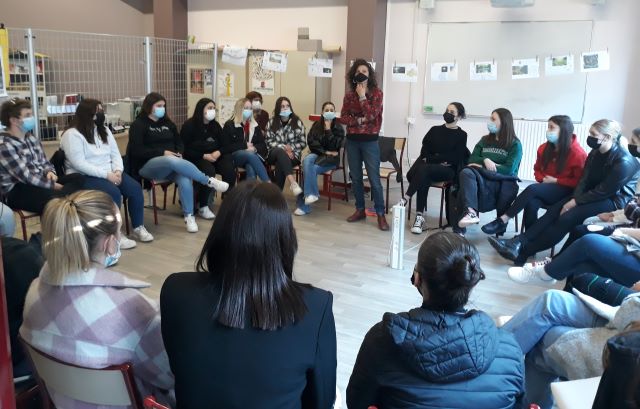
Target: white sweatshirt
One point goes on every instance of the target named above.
(90, 159)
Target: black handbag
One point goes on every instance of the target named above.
(326, 160)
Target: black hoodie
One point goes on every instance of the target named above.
(149, 139)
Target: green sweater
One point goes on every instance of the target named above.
(507, 161)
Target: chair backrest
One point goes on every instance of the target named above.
(392, 150)
(7, 396)
(109, 386)
(57, 160)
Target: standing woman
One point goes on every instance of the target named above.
(155, 153)
(91, 150)
(362, 114)
(557, 170)
(443, 154)
(202, 138)
(285, 139)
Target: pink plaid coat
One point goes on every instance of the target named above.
(96, 319)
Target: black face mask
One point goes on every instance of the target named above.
(360, 77)
(99, 119)
(449, 117)
(593, 142)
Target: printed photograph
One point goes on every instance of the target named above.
(559, 61)
(591, 61)
(483, 68)
(520, 70)
(275, 58)
(444, 68)
(398, 69)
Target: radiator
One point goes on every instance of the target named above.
(533, 134)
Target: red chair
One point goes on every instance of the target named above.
(7, 396)
(164, 185)
(328, 183)
(24, 216)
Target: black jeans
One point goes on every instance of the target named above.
(224, 166)
(535, 197)
(284, 165)
(423, 175)
(34, 198)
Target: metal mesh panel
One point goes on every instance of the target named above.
(170, 75)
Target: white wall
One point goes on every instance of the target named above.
(612, 94)
(274, 28)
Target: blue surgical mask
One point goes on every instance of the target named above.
(329, 116)
(493, 128)
(159, 112)
(552, 137)
(285, 113)
(28, 124)
(111, 260)
(246, 114)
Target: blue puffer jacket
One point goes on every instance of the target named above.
(425, 359)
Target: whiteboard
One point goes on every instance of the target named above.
(532, 98)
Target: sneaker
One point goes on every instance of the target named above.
(126, 243)
(206, 213)
(469, 219)
(419, 225)
(295, 188)
(531, 273)
(190, 221)
(299, 212)
(310, 199)
(141, 234)
(218, 185)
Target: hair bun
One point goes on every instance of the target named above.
(465, 271)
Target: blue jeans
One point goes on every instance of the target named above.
(597, 254)
(311, 171)
(536, 327)
(7, 221)
(251, 163)
(369, 153)
(178, 170)
(129, 188)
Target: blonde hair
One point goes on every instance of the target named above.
(608, 127)
(72, 227)
(237, 110)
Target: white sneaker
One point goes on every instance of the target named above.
(295, 188)
(468, 219)
(126, 243)
(419, 225)
(141, 234)
(531, 273)
(299, 212)
(218, 185)
(206, 213)
(190, 221)
(310, 199)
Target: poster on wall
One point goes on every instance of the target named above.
(444, 71)
(226, 83)
(274, 61)
(525, 68)
(208, 77)
(260, 80)
(559, 65)
(595, 61)
(225, 108)
(3, 84)
(483, 71)
(405, 72)
(196, 78)
(320, 67)
(234, 55)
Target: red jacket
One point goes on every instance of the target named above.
(573, 167)
(370, 109)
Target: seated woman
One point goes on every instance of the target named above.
(440, 354)
(91, 150)
(557, 170)
(608, 183)
(443, 154)
(242, 322)
(27, 179)
(202, 138)
(490, 179)
(244, 140)
(285, 140)
(260, 115)
(82, 313)
(325, 140)
(154, 153)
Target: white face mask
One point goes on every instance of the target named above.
(210, 114)
(255, 105)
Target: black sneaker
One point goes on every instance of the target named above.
(495, 227)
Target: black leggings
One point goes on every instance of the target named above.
(423, 175)
(34, 198)
(224, 166)
(535, 197)
(284, 165)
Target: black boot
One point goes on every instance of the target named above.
(497, 227)
(509, 249)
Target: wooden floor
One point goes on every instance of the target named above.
(348, 259)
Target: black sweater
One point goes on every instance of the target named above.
(149, 139)
(442, 144)
(320, 140)
(200, 139)
(234, 139)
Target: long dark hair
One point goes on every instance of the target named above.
(506, 134)
(449, 266)
(318, 126)
(83, 120)
(560, 150)
(371, 84)
(198, 116)
(149, 101)
(251, 247)
(276, 123)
